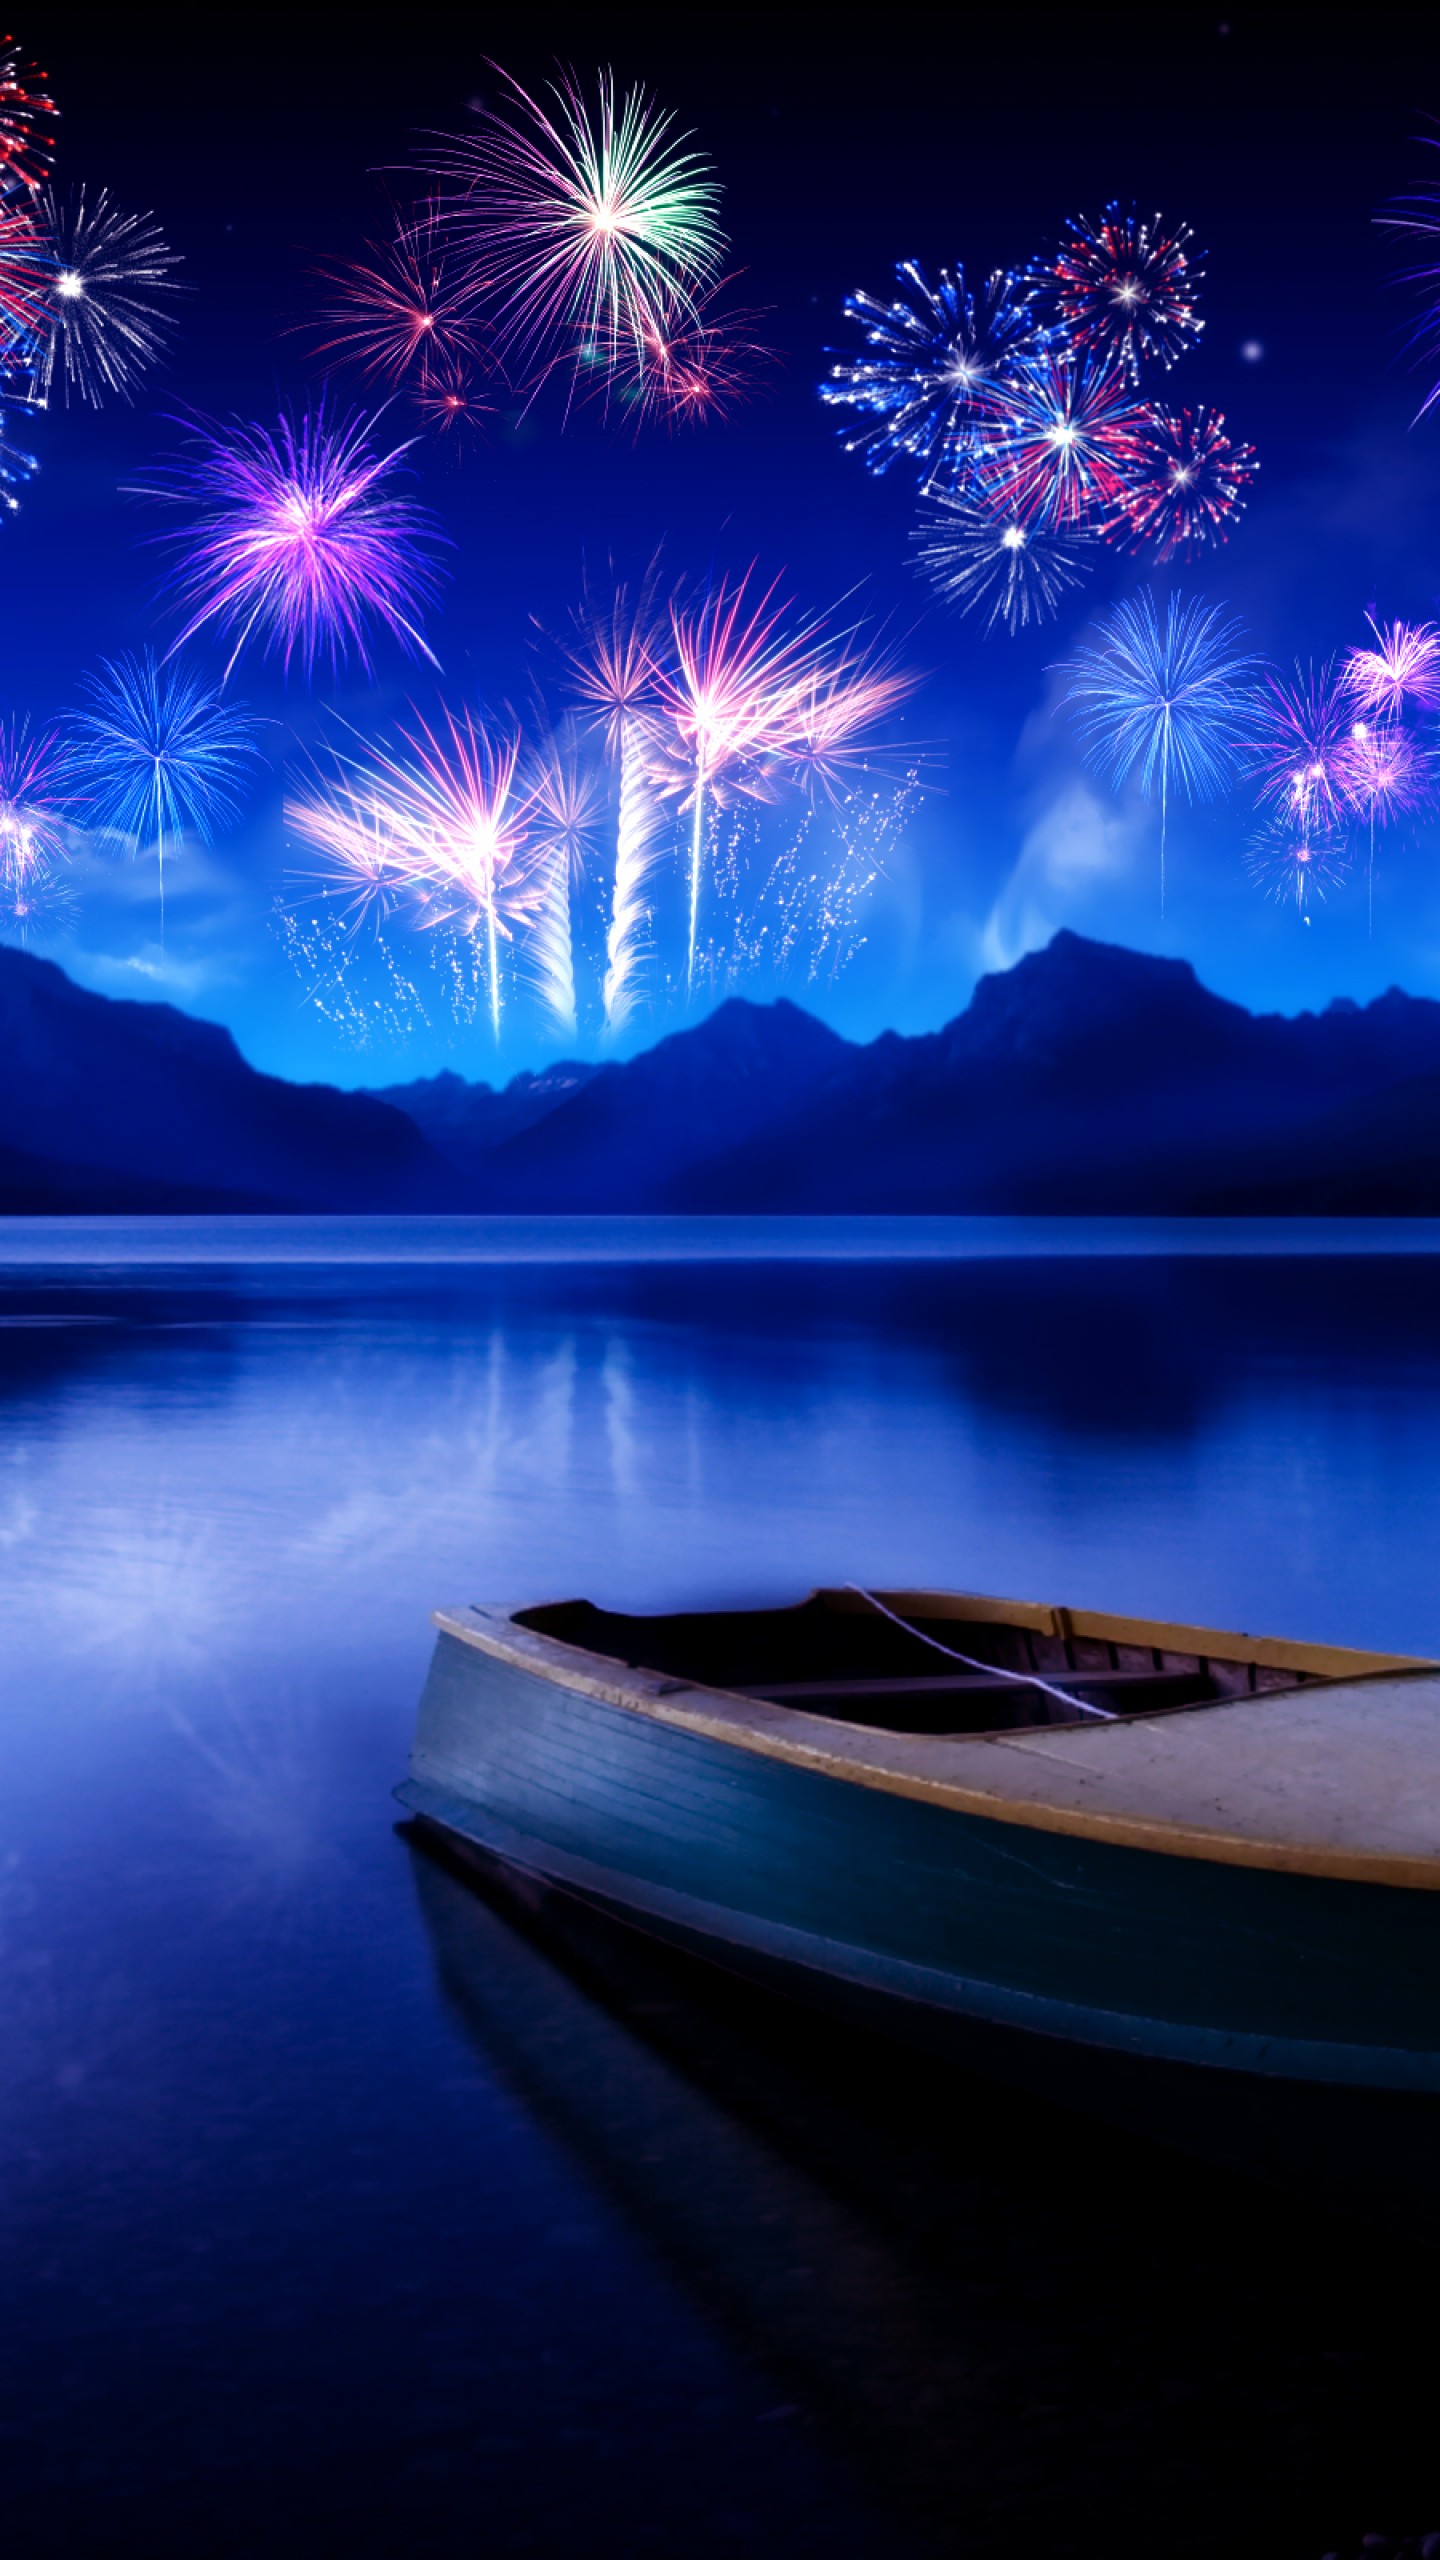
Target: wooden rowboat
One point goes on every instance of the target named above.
(934, 1809)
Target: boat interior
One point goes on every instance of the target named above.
(951, 1662)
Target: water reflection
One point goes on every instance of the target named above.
(1034, 2334)
(296, 2270)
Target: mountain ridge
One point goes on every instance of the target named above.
(1086, 1078)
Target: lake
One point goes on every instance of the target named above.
(347, 2211)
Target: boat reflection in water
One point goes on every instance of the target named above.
(1035, 2330)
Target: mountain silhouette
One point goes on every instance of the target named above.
(1085, 1079)
(109, 1104)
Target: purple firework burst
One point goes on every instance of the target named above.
(297, 538)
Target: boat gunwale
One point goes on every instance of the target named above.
(803, 1740)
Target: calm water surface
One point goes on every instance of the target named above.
(344, 2212)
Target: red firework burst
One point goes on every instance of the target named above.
(1191, 480)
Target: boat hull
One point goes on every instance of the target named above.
(925, 1916)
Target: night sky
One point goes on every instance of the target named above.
(1276, 142)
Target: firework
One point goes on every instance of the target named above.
(834, 717)
(588, 223)
(1416, 218)
(613, 674)
(935, 355)
(695, 364)
(565, 805)
(36, 801)
(28, 117)
(1189, 480)
(1125, 288)
(158, 756)
(440, 821)
(1068, 442)
(1384, 773)
(729, 687)
(1298, 864)
(1402, 668)
(109, 289)
(449, 399)
(1166, 699)
(974, 557)
(1300, 750)
(401, 309)
(27, 275)
(297, 539)
(17, 469)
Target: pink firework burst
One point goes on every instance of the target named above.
(448, 398)
(37, 801)
(1303, 737)
(297, 539)
(1403, 667)
(1298, 865)
(400, 309)
(1067, 441)
(696, 364)
(1190, 480)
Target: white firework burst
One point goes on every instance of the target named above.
(111, 289)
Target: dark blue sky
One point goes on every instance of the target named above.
(836, 158)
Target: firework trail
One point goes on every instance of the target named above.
(401, 309)
(1299, 753)
(109, 287)
(297, 539)
(157, 755)
(935, 355)
(1189, 481)
(440, 821)
(588, 224)
(1166, 699)
(28, 116)
(613, 675)
(1126, 288)
(36, 802)
(1402, 668)
(1067, 442)
(565, 802)
(1298, 864)
(974, 557)
(1385, 774)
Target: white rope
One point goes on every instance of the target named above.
(992, 1670)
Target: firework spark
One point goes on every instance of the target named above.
(1402, 668)
(448, 399)
(1126, 288)
(110, 284)
(974, 557)
(158, 756)
(1165, 699)
(936, 354)
(402, 308)
(297, 539)
(1067, 445)
(1190, 480)
(588, 223)
(28, 116)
